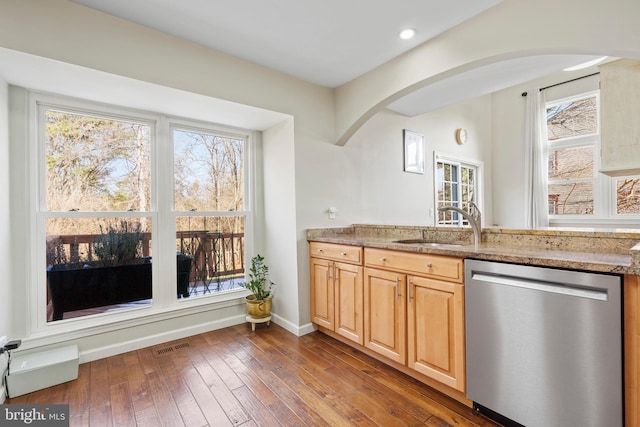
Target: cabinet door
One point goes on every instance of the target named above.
(384, 313)
(348, 301)
(322, 295)
(436, 330)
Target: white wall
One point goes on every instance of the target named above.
(6, 310)
(6, 303)
(387, 194)
(278, 182)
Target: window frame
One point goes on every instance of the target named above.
(604, 187)
(460, 162)
(164, 303)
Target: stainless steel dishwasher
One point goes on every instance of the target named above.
(544, 346)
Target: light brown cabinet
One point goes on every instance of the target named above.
(337, 289)
(414, 312)
(435, 330)
(384, 313)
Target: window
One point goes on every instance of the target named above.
(572, 130)
(113, 221)
(209, 203)
(457, 184)
(575, 187)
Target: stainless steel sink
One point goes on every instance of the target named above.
(424, 242)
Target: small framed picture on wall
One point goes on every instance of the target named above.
(413, 151)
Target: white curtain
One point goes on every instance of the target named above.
(536, 161)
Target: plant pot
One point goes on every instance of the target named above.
(258, 308)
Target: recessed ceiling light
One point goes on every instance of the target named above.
(407, 34)
(585, 64)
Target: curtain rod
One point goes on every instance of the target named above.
(561, 83)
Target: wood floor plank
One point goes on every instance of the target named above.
(139, 389)
(101, 415)
(239, 377)
(117, 370)
(100, 393)
(230, 404)
(284, 414)
(304, 411)
(148, 417)
(163, 401)
(185, 401)
(250, 380)
(121, 406)
(334, 409)
(257, 411)
(80, 390)
(440, 405)
(209, 406)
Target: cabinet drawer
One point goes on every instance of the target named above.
(344, 253)
(442, 267)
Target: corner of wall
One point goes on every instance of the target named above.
(4, 365)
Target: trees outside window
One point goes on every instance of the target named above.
(102, 194)
(209, 199)
(575, 187)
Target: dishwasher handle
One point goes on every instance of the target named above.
(541, 285)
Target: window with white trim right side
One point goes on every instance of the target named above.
(576, 190)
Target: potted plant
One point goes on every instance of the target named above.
(259, 302)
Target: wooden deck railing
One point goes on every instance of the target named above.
(214, 254)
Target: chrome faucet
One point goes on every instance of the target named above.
(474, 218)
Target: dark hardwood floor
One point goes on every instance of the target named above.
(234, 376)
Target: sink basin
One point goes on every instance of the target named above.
(424, 242)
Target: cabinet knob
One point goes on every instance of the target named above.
(429, 265)
(344, 254)
(383, 259)
(320, 250)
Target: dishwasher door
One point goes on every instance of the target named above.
(543, 345)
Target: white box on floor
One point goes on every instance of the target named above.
(36, 371)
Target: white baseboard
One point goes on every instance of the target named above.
(291, 327)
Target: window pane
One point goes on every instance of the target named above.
(571, 163)
(468, 186)
(574, 118)
(571, 198)
(96, 265)
(628, 195)
(208, 172)
(96, 164)
(216, 247)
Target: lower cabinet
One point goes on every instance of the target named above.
(414, 312)
(407, 307)
(337, 290)
(435, 330)
(385, 304)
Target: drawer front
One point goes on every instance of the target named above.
(343, 253)
(442, 267)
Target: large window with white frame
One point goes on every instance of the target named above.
(577, 192)
(135, 210)
(457, 182)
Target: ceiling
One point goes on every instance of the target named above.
(327, 42)
(331, 42)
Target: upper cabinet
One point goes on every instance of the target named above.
(619, 112)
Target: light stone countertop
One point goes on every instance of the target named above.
(613, 251)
